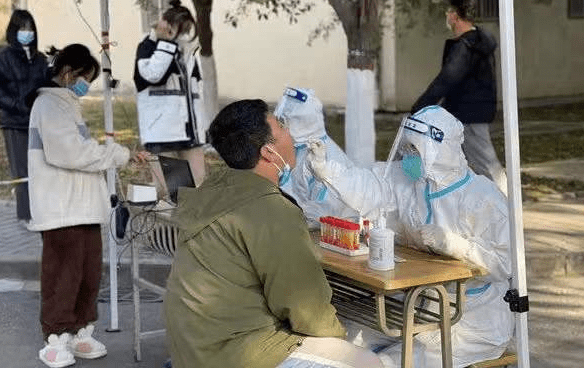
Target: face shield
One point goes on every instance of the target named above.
(301, 111)
(428, 145)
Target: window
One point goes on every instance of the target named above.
(576, 8)
(488, 10)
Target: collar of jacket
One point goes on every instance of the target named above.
(222, 192)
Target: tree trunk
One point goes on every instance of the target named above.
(210, 93)
(203, 9)
(360, 20)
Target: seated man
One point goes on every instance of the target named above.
(436, 203)
(246, 289)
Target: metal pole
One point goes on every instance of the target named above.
(509, 81)
(111, 173)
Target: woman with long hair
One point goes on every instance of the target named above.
(23, 69)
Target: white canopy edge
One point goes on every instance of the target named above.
(512, 160)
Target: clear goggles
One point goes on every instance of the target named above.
(410, 135)
(423, 128)
(297, 96)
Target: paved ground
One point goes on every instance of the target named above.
(554, 242)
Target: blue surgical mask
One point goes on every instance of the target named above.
(412, 166)
(25, 37)
(284, 172)
(80, 87)
(284, 175)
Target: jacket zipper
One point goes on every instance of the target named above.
(189, 95)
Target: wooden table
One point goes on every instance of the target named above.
(365, 295)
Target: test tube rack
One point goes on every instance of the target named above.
(342, 236)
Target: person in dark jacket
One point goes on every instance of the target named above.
(23, 69)
(467, 88)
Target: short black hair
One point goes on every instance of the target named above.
(239, 132)
(466, 9)
(18, 20)
(76, 56)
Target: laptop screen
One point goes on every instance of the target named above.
(177, 173)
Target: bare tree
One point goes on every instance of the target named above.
(209, 70)
(361, 22)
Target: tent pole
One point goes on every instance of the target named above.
(512, 160)
(111, 173)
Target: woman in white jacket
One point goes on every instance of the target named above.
(69, 202)
(171, 115)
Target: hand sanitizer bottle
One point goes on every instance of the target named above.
(381, 246)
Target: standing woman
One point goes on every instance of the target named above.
(69, 202)
(171, 114)
(22, 70)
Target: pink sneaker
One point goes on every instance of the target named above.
(84, 346)
(55, 354)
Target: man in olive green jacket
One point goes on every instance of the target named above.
(246, 288)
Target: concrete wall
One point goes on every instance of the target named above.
(256, 59)
(4, 17)
(549, 52)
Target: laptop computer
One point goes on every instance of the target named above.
(177, 173)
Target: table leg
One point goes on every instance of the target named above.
(409, 326)
(445, 331)
(381, 317)
(460, 299)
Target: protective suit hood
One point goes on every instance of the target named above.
(437, 135)
(302, 112)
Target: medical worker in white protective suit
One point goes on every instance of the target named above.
(302, 112)
(437, 204)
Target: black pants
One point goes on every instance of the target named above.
(70, 278)
(16, 142)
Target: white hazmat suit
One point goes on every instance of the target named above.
(448, 210)
(302, 112)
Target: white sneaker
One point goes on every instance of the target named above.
(55, 354)
(84, 346)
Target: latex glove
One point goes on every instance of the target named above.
(433, 237)
(317, 157)
(447, 243)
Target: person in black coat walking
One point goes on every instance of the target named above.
(467, 88)
(23, 69)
